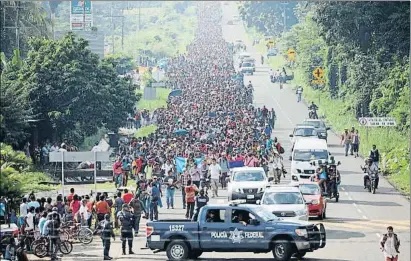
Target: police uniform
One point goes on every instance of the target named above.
(127, 223)
(106, 234)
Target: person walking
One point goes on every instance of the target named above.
(83, 213)
(137, 208)
(215, 173)
(375, 155)
(225, 168)
(190, 190)
(126, 219)
(201, 200)
(170, 189)
(299, 93)
(346, 139)
(390, 245)
(154, 198)
(107, 233)
(356, 143)
(118, 204)
(183, 180)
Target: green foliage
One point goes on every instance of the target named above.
(159, 102)
(14, 108)
(122, 63)
(71, 91)
(16, 177)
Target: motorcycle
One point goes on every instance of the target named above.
(313, 114)
(371, 182)
(333, 183)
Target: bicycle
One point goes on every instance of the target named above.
(77, 232)
(42, 249)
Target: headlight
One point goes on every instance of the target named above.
(294, 178)
(301, 212)
(301, 232)
(323, 133)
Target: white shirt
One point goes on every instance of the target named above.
(30, 221)
(299, 90)
(167, 167)
(23, 209)
(83, 211)
(215, 171)
(389, 248)
(277, 163)
(54, 148)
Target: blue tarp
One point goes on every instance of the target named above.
(175, 93)
(181, 132)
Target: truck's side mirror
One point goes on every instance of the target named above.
(290, 158)
(254, 222)
(270, 179)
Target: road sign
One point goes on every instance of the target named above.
(317, 81)
(81, 17)
(380, 122)
(318, 73)
(362, 121)
(291, 54)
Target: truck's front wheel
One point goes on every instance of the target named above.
(177, 250)
(282, 250)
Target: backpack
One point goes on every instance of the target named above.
(281, 150)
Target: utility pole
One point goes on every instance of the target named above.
(84, 16)
(16, 26)
(122, 27)
(139, 16)
(285, 18)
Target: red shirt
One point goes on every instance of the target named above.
(127, 197)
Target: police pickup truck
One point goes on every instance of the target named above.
(234, 227)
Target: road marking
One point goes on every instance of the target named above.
(378, 235)
(282, 111)
(358, 224)
(359, 210)
(350, 198)
(364, 217)
(343, 188)
(355, 205)
(346, 193)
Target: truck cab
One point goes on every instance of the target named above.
(234, 227)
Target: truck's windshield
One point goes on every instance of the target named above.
(271, 198)
(308, 155)
(248, 176)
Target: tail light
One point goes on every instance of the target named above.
(149, 231)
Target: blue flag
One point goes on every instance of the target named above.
(181, 163)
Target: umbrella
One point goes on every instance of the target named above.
(181, 132)
(175, 93)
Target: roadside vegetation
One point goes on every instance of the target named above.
(364, 50)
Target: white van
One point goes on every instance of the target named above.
(305, 152)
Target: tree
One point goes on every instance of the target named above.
(70, 91)
(14, 110)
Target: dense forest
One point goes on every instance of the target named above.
(364, 50)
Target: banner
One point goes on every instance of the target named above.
(182, 162)
(236, 164)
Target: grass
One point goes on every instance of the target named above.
(159, 102)
(145, 131)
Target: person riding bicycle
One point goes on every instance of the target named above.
(370, 168)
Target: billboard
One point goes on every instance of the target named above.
(81, 16)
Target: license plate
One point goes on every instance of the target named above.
(250, 196)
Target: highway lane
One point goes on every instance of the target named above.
(357, 210)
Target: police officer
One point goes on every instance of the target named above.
(126, 219)
(201, 200)
(53, 232)
(106, 234)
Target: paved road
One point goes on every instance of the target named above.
(353, 225)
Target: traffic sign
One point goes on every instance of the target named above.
(318, 73)
(291, 54)
(317, 81)
(362, 121)
(380, 122)
(271, 41)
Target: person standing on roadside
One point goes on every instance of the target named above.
(390, 245)
(107, 233)
(83, 212)
(375, 155)
(126, 219)
(190, 190)
(225, 168)
(102, 208)
(154, 193)
(346, 139)
(215, 173)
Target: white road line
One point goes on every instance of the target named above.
(378, 235)
(346, 193)
(364, 217)
(359, 210)
(355, 205)
(282, 111)
(342, 188)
